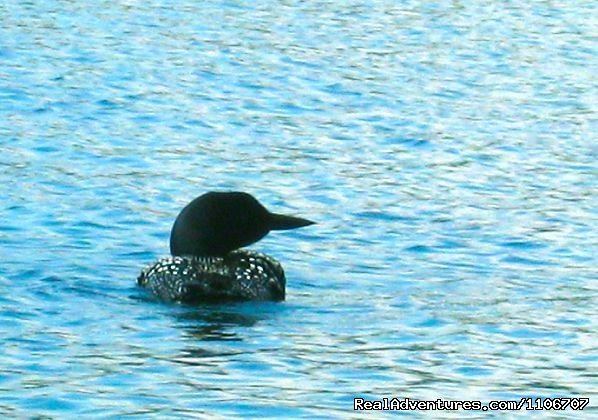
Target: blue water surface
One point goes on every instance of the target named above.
(447, 151)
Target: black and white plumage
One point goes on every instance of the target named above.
(240, 275)
(206, 264)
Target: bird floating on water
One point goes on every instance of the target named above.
(206, 262)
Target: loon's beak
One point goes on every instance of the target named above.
(282, 222)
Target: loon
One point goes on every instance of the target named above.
(206, 262)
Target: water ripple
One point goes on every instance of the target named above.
(444, 150)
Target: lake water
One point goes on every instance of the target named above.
(447, 151)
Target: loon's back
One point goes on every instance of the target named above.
(241, 275)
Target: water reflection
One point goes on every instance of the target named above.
(217, 331)
(444, 148)
(207, 322)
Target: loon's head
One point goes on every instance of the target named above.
(217, 223)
